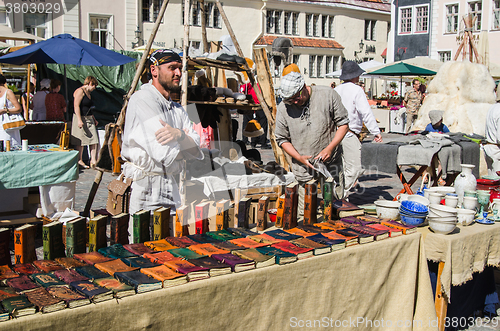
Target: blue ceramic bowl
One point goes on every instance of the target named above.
(415, 221)
(414, 207)
(402, 212)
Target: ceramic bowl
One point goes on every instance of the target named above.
(451, 201)
(387, 209)
(443, 189)
(465, 216)
(414, 207)
(419, 198)
(435, 198)
(415, 221)
(442, 211)
(449, 219)
(470, 203)
(442, 227)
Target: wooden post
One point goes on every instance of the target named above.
(203, 27)
(441, 302)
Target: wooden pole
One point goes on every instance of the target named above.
(204, 27)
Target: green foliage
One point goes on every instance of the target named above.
(13, 88)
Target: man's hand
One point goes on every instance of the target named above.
(324, 155)
(304, 159)
(378, 138)
(167, 134)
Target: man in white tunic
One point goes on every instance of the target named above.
(359, 111)
(158, 136)
(492, 133)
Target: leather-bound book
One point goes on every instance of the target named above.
(76, 236)
(407, 229)
(280, 210)
(216, 268)
(161, 223)
(92, 258)
(335, 244)
(318, 248)
(337, 224)
(373, 219)
(311, 202)
(24, 244)
(44, 301)
(19, 306)
(290, 212)
(160, 257)
(350, 240)
(119, 229)
(181, 242)
(261, 260)
(4, 247)
(70, 262)
(362, 238)
(265, 239)
(244, 212)
(138, 249)
(181, 227)
(288, 247)
(203, 238)
(69, 275)
(70, 297)
(207, 249)
(247, 243)
(281, 257)
(7, 292)
(342, 208)
(299, 232)
(262, 213)
(114, 266)
(142, 220)
(201, 217)
(315, 228)
(138, 280)
(91, 272)
(159, 245)
(237, 263)
(4, 314)
(22, 283)
(119, 289)
(6, 273)
(25, 269)
(241, 232)
(392, 231)
(223, 235)
(92, 291)
(328, 187)
(115, 251)
(222, 218)
(280, 234)
(97, 233)
(185, 253)
(166, 276)
(46, 280)
(139, 262)
(47, 265)
(377, 234)
(192, 271)
(355, 220)
(228, 246)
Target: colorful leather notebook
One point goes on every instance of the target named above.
(25, 269)
(288, 247)
(335, 244)
(52, 235)
(159, 245)
(342, 208)
(362, 238)
(300, 232)
(4, 247)
(355, 220)
(47, 265)
(7, 292)
(226, 245)
(115, 251)
(181, 242)
(161, 223)
(138, 249)
(281, 257)
(69, 275)
(44, 301)
(393, 232)
(114, 266)
(141, 282)
(97, 232)
(92, 258)
(223, 235)
(237, 263)
(92, 291)
(119, 289)
(407, 229)
(280, 234)
(312, 228)
(242, 232)
(47, 280)
(19, 306)
(160, 257)
(6, 273)
(265, 239)
(207, 249)
(318, 248)
(141, 225)
(216, 268)
(91, 272)
(185, 253)
(349, 240)
(70, 262)
(203, 238)
(139, 262)
(24, 244)
(22, 283)
(192, 271)
(70, 297)
(167, 276)
(261, 260)
(247, 243)
(377, 234)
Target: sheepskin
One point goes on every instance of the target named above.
(464, 91)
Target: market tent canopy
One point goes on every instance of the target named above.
(365, 66)
(402, 69)
(7, 33)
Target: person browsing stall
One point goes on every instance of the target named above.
(310, 123)
(436, 124)
(354, 100)
(157, 137)
(55, 105)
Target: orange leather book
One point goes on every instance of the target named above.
(92, 258)
(280, 210)
(247, 242)
(262, 213)
(47, 265)
(311, 202)
(24, 244)
(114, 266)
(160, 257)
(222, 218)
(349, 241)
(207, 249)
(201, 217)
(328, 226)
(160, 245)
(181, 226)
(407, 229)
(70, 262)
(164, 274)
(300, 232)
(265, 239)
(6, 273)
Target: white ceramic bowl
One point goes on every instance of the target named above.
(465, 216)
(419, 198)
(435, 198)
(451, 201)
(443, 189)
(440, 210)
(470, 203)
(442, 227)
(450, 219)
(387, 209)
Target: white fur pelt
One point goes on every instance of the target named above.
(464, 91)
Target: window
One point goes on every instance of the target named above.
(4, 17)
(295, 24)
(422, 18)
(312, 66)
(99, 31)
(452, 18)
(444, 56)
(273, 21)
(496, 14)
(312, 25)
(319, 66)
(405, 19)
(288, 22)
(324, 26)
(475, 8)
(309, 19)
(328, 64)
(36, 24)
(370, 29)
(316, 25)
(212, 15)
(291, 23)
(217, 19)
(196, 14)
(150, 10)
(330, 26)
(337, 63)
(296, 58)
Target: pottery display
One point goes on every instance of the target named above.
(465, 181)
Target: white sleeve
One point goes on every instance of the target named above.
(365, 110)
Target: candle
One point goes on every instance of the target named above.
(25, 145)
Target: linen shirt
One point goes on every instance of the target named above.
(413, 99)
(492, 132)
(311, 127)
(358, 109)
